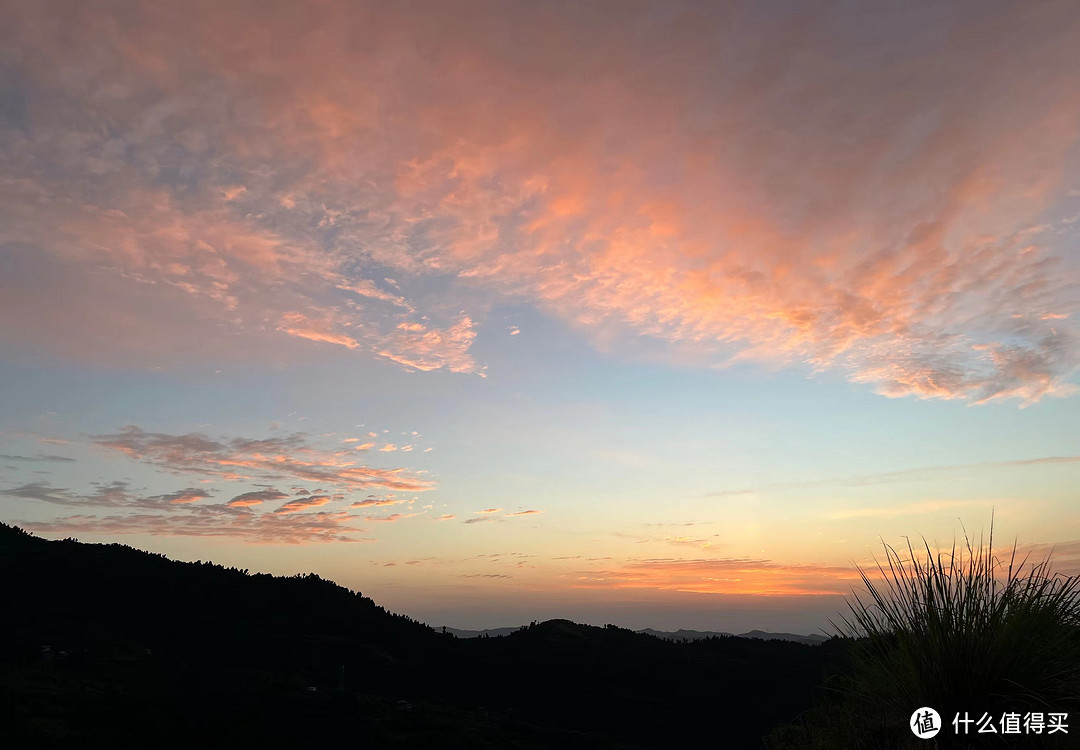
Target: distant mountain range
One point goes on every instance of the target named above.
(695, 635)
(677, 635)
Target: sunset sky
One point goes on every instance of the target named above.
(656, 313)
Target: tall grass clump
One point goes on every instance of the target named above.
(963, 631)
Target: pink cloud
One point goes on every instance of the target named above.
(894, 218)
(296, 324)
(427, 350)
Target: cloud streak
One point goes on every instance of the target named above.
(111, 495)
(289, 457)
(42, 457)
(182, 513)
(925, 473)
(240, 524)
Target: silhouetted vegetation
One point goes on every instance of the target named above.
(105, 645)
(962, 632)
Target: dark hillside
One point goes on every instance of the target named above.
(108, 645)
(645, 689)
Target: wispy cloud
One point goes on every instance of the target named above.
(924, 473)
(41, 457)
(392, 517)
(183, 513)
(486, 575)
(372, 501)
(289, 457)
(689, 541)
(210, 521)
(111, 495)
(921, 507)
(332, 473)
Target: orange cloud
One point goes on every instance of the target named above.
(186, 496)
(303, 503)
(258, 497)
(724, 576)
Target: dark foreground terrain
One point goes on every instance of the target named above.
(105, 646)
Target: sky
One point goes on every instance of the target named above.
(662, 314)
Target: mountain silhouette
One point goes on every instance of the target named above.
(696, 635)
(106, 645)
(487, 632)
(667, 635)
